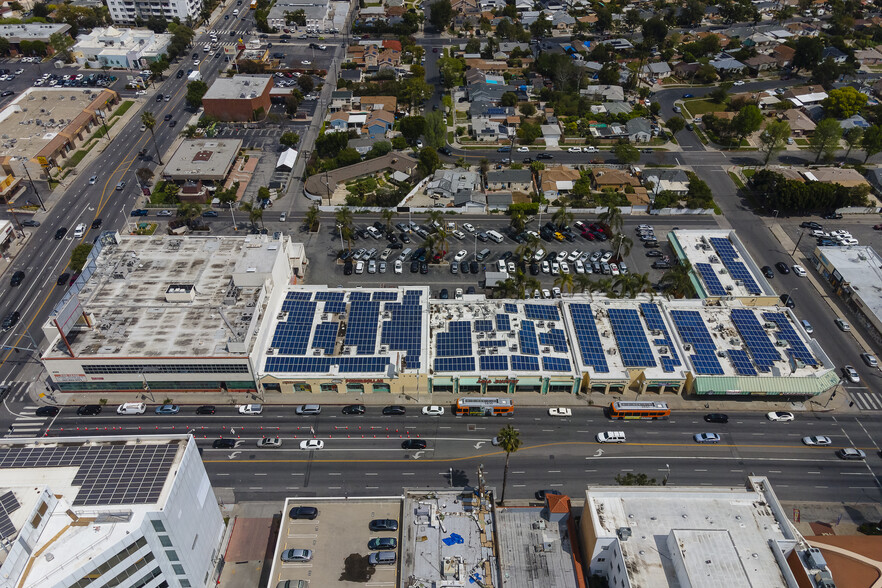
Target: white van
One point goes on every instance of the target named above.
(207, 48)
(495, 236)
(131, 408)
(79, 231)
(236, 12)
(500, 266)
(611, 437)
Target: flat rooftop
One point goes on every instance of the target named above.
(168, 296)
(536, 552)
(238, 87)
(85, 491)
(36, 117)
(861, 267)
(202, 159)
(722, 264)
(319, 330)
(448, 538)
(338, 538)
(712, 536)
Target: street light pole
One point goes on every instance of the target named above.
(33, 186)
(797, 243)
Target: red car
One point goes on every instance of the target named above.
(588, 235)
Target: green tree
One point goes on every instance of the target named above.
(436, 130)
(509, 441)
(626, 153)
(388, 215)
(676, 124)
(611, 218)
(562, 217)
(79, 256)
(255, 212)
(289, 139)
(852, 138)
(412, 127)
(62, 43)
(632, 479)
(313, 217)
(509, 99)
(527, 109)
(721, 93)
(440, 14)
(149, 121)
(4, 46)
(429, 161)
(195, 91)
(825, 139)
(807, 53)
(609, 73)
(843, 102)
(529, 132)
(306, 83)
(655, 31)
(677, 281)
(748, 120)
(564, 282)
(872, 141)
(774, 138)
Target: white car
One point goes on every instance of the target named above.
(468, 227)
(312, 444)
(818, 440)
(614, 269)
(269, 443)
(398, 266)
(92, 180)
(523, 149)
(799, 271)
(458, 234)
(306, 62)
(848, 241)
(545, 267)
(842, 325)
(546, 293)
(739, 83)
(564, 267)
(460, 255)
(561, 256)
(780, 416)
(458, 294)
(574, 150)
(559, 411)
(433, 410)
(851, 374)
(250, 409)
(580, 267)
(555, 292)
(359, 267)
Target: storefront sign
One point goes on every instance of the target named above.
(69, 377)
(371, 381)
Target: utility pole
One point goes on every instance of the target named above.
(34, 187)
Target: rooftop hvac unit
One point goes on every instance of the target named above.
(384, 349)
(316, 351)
(721, 353)
(546, 350)
(724, 270)
(769, 325)
(687, 347)
(734, 341)
(663, 351)
(782, 343)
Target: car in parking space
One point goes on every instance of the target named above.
(10, 321)
(380, 543)
(460, 255)
(799, 270)
(849, 372)
(308, 513)
(716, 417)
(167, 409)
(560, 411)
(445, 295)
(394, 409)
(661, 265)
(47, 411)
(424, 267)
(312, 444)
(780, 416)
(398, 266)
(89, 410)
(295, 555)
(269, 443)
(870, 359)
(347, 268)
(383, 525)
(474, 267)
(17, 278)
(818, 440)
(30, 223)
(811, 225)
(833, 216)
(782, 267)
(433, 410)
(359, 267)
(706, 438)
(250, 409)
(414, 444)
(842, 325)
(468, 227)
(356, 409)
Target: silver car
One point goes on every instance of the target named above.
(290, 555)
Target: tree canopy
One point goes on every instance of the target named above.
(843, 102)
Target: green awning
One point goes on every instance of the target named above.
(765, 386)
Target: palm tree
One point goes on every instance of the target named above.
(441, 238)
(612, 218)
(189, 211)
(564, 282)
(677, 281)
(604, 285)
(639, 284)
(509, 441)
(518, 221)
(388, 214)
(531, 285)
(149, 121)
(344, 217)
(562, 217)
(346, 232)
(505, 289)
(255, 213)
(312, 217)
(429, 245)
(622, 246)
(583, 283)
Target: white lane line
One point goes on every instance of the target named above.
(222, 474)
(408, 474)
(335, 473)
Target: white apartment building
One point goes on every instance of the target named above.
(125, 11)
(110, 511)
(116, 47)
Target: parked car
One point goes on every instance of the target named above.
(558, 411)
(357, 409)
(433, 410)
(782, 267)
(842, 325)
(168, 409)
(869, 359)
(394, 409)
(383, 525)
(303, 512)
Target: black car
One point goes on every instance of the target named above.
(474, 267)
(528, 160)
(787, 301)
(822, 242)
(353, 409)
(172, 124)
(180, 74)
(60, 233)
(414, 266)
(767, 271)
(347, 268)
(445, 151)
(811, 225)
(782, 267)
(208, 213)
(534, 269)
(10, 321)
(544, 156)
(159, 97)
(278, 55)
(89, 410)
(470, 290)
(833, 216)
(424, 267)
(716, 417)
(395, 409)
(661, 265)
(445, 295)
(383, 525)
(47, 411)
(167, 118)
(303, 512)
(650, 244)
(7, 93)
(541, 494)
(30, 223)
(464, 267)
(654, 253)
(96, 224)
(206, 409)
(139, 212)
(414, 444)
(404, 238)
(62, 279)
(224, 444)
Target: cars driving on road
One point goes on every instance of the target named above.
(558, 411)
(413, 444)
(17, 278)
(250, 409)
(10, 321)
(851, 374)
(817, 440)
(269, 443)
(433, 410)
(780, 416)
(706, 438)
(851, 453)
(168, 409)
(394, 409)
(716, 417)
(312, 444)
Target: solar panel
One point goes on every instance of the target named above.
(710, 279)
(631, 338)
(327, 295)
(668, 364)
(454, 364)
(494, 343)
(457, 341)
(502, 322)
(556, 364)
(541, 312)
(761, 348)
(385, 295)
(483, 325)
(325, 337)
(588, 337)
(333, 301)
(8, 504)
(511, 308)
(404, 332)
(359, 296)
(741, 362)
(797, 348)
(361, 331)
(323, 364)
(556, 338)
(527, 338)
(523, 363)
(291, 336)
(736, 268)
(652, 317)
(693, 331)
(498, 363)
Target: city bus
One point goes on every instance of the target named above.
(483, 406)
(630, 409)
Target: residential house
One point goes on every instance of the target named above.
(351, 75)
(492, 93)
(465, 6)
(363, 146)
(657, 70)
(562, 23)
(783, 54)
(800, 124)
(604, 93)
(551, 134)
(760, 62)
(671, 180)
(728, 66)
(848, 177)
(760, 41)
(874, 176)
(448, 182)
(615, 131)
(347, 121)
(604, 178)
(833, 53)
(516, 180)
(387, 103)
(379, 58)
(686, 71)
(804, 95)
(854, 121)
(869, 56)
(558, 180)
(470, 200)
(619, 44)
(499, 200)
(378, 123)
(639, 130)
(617, 107)
(340, 100)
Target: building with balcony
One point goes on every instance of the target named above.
(126, 11)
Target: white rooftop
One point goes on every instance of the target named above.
(861, 267)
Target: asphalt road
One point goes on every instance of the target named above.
(363, 454)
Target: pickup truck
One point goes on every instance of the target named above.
(139, 212)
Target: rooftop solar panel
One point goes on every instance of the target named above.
(555, 338)
(291, 336)
(497, 363)
(527, 338)
(710, 279)
(511, 308)
(348, 364)
(556, 364)
(737, 269)
(652, 317)
(741, 362)
(8, 505)
(457, 341)
(325, 337)
(692, 329)
(631, 338)
(524, 363)
(328, 295)
(361, 331)
(454, 364)
(761, 348)
(541, 312)
(797, 348)
(359, 296)
(404, 332)
(588, 337)
(385, 296)
(483, 325)
(502, 322)
(493, 343)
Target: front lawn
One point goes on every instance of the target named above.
(700, 106)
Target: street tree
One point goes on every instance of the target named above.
(509, 442)
(429, 161)
(676, 124)
(289, 139)
(195, 91)
(826, 138)
(774, 138)
(626, 153)
(807, 53)
(440, 14)
(149, 121)
(843, 102)
(436, 130)
(412, 127)
(748, 120)
(852, 138)
(655, 31)
(872, 141)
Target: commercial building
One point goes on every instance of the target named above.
(128, 11)
(47, 125)
(202, 160)
(167, 313)
(696, 536)
(18, 33)
(110, 511)
(116, 47)
(240, 98)
(854, 273)
(321, 17)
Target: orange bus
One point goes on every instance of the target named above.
(483, 406)
(635, 409)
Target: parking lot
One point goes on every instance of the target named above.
(338, 538)
(323, 250)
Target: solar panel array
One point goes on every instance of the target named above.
(381, 296)
(333, 301)
(106, 474)
(483, 325)
(325, 337)
(631, 338)
(797, 348)
(710, 279)
(555, 364)
(404, 332)
(527, 338)
(8, 504)
(761, 348)
(502, 322)
(524, 363)
(457, 341)
(498, 363)
(741, 362)
(652, 317)
(511, 308)
(454, 364)
(541, 312)
(588, 337)
(318, 365)
(736, 268)
(692, 329)
(493, 343)
(361, 331)
(556, 338)
(292, 335)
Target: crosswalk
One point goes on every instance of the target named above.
(14, 390)
(866, 400)
(16, 396)
(27, 424)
